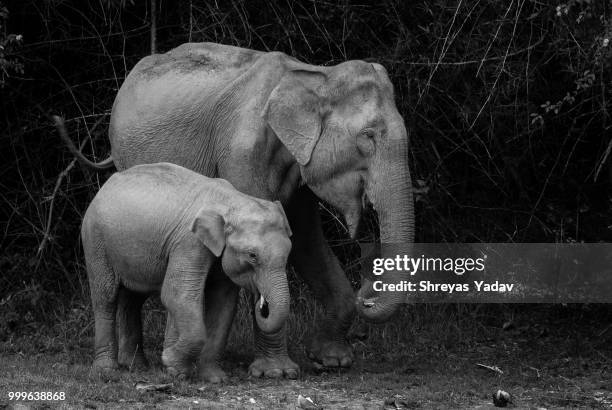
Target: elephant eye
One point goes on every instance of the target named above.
(366, 144)
(368, 132)
(252, 256)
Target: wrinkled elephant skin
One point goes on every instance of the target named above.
(279, 129)
(162, 227)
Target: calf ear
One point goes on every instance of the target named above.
(294, 112)
(282, 211)
(209, 227)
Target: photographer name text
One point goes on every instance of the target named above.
(428, 286)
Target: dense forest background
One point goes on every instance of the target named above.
(507, 102)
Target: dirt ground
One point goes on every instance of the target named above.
(542, 358)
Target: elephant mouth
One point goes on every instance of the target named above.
(261, 306)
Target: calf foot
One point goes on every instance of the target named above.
(174, 365)
(178, 373)
(212, 373)
(274, 367)
(330, 353)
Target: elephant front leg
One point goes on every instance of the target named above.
(190, 336)
(171, 334)
(129, 329)
(315, 262)
(182, 294)
(221, 300)
(271, 358)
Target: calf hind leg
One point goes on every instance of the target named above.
(104, 287)
(129, 328)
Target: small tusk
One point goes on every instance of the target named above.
(368, 302)
(261, 302)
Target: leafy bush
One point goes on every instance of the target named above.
(9, 43)
(507, 104)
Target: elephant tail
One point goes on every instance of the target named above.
(98, 166)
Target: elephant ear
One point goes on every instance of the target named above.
(209, 227)
(293, 111)
(286, 221)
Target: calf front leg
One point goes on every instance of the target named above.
(221, 300)
(183, 296)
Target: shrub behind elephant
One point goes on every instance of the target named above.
(162, 227)
(270, 124)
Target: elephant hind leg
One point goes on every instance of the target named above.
(129, 328)
(104, 287)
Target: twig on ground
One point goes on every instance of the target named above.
(492, 368)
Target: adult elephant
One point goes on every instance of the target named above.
(278, 129)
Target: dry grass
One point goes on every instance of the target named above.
(556, 357)
(508, 106)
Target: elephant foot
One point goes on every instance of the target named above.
(177, 373)
(174, 366)
(212, 373)
(274, 367)
(133, 361)
(330, 353)
(104, 364)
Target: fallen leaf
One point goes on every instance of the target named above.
(306, 403)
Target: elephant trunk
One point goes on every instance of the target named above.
(272, 304)
(389, 187)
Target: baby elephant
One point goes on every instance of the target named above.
(161, 227)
